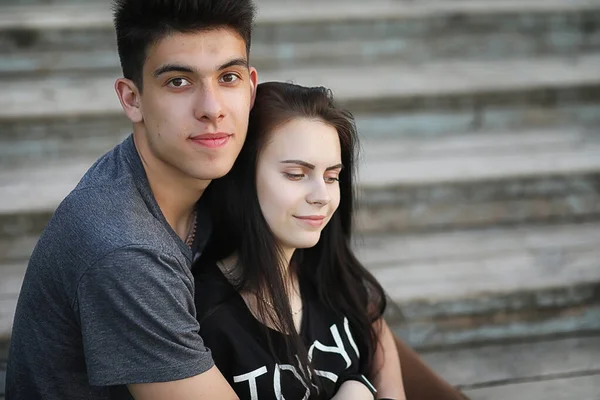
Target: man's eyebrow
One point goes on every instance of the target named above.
(309, 165)
(163, 69)
(238, 62)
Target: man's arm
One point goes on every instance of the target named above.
(137, 317)
(209, 385)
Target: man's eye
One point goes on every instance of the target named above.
(230, 78)
(179, 82)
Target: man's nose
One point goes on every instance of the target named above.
(209, 105)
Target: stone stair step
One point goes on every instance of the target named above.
(40, 39)
(489, 284)
(384, 250)
(477, 157)
(496, 366)
(500, 364)
(15, 249)
(564, 388)
(52, 117)
(483, 179)
(383, 87)
(519, 282)
(11, 279)
(7, 314)
(478, 179)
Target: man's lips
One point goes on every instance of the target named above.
(211, 136)
(211, 140)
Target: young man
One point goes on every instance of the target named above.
(106, 309)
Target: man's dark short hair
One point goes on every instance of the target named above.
(143, 23)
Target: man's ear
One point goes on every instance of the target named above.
(129, 97)
(253, 84)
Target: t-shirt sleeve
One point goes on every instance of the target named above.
(137, 316)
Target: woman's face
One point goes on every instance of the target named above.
(297, 181)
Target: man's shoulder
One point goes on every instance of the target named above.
(109, 209)
(112, 177)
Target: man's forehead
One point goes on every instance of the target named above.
(203, 51)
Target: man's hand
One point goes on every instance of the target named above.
(209, 385)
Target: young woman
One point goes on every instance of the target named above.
(284, 305)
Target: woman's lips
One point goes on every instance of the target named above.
(312, 220)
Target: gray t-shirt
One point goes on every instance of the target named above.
(108, 296)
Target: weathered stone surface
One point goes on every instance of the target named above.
(8, 304)
(469, 286)
(405, 184)
(578, 387)
(54, 118)
(496, 284)
(379, 251)
(508, 326)
(504, 363)
(17, 249)
(391, 87)
(302, 34)
(30, 141)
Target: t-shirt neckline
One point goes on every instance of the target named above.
(237, 297)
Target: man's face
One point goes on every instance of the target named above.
(197, 93)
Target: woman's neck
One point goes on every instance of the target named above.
(253, 298)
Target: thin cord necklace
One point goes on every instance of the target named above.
(189, 241)
(275, 309)
(229, 272)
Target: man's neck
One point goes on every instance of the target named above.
(175, 193)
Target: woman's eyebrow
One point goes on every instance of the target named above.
(311, 166)
(299, 162)
(337, 166)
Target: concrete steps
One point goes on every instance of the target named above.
(489, 284)
(479, 195)
(79, 36)
(384, 87)
(43, 118)
(533, 370)
(12, 279)
(482, 179)
(560, 368)
(518, 282)
(405, 183)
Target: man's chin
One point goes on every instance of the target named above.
(212, 173)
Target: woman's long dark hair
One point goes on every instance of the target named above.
(341, 281)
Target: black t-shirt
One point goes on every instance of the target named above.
(238, 341)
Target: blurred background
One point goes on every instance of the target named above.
(479, 179)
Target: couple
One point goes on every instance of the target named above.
(149, 283)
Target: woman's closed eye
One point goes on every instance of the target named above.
(300, 176)
(293, 177)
